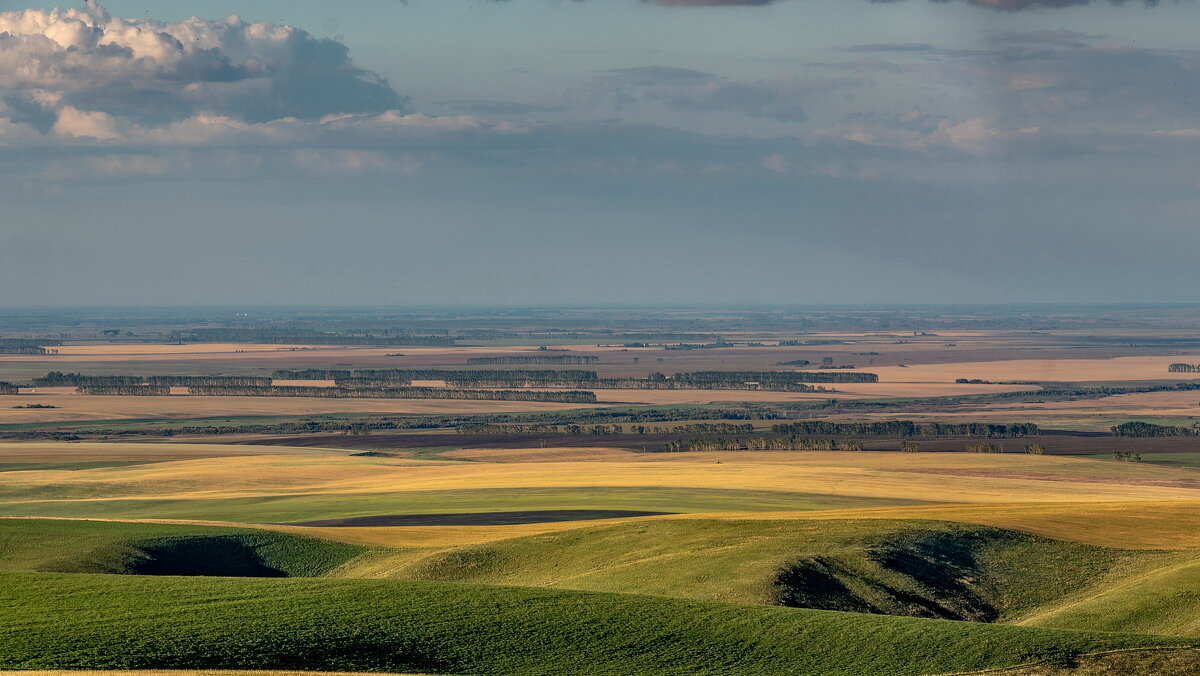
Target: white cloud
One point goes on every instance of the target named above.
(86, 123)
(917, 131)
(84, 73)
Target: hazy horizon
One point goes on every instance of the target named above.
(624, 153)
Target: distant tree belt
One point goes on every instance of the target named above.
(1142, 429)
(22, 349)
(534, 359)
(413, 422)
(907, 428)
(789, 443)
(126, 390)
(606, 430)
(381, 377)
(705, 346)
(570, 397)
(712, 380)
(8, 388)
(698, 378)
(1184, 368)
(197, 381)
(28, 342)
(58, 379)
(302, 336)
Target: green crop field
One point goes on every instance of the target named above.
(122, 622)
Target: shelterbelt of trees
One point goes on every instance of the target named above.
(567, 397)
(784, 381)
(534, 359)
(125, 390)
(606, 430)
(532, 422)
(27, 346)
(58, 379)
(906, 428)
(1184, 368)
(8, 388)
(1143, 429)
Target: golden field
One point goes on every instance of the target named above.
(1093, 501)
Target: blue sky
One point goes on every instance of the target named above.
(599, 151)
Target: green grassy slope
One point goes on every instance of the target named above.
(133, 548)
(107, 621)
(918, 568)
(1166, 601)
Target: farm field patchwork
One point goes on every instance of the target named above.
(162, 534)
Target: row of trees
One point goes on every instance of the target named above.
(907, 428)
(26, 349)
(59, 379)
(28, 342)
(535, 359)
(8, 388)
(1126, 456)
(1184, 368)
(579, 417)
(568, 397)
(698, 379)
(784, 381)
(608, 430)
(126, 390)
(1145, 429)
(762, 444)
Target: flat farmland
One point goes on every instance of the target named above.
(309, 484)
(72, 407)
(1069, 370)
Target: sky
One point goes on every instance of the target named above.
(558, 152)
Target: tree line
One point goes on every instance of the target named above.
(1144, 429)
(907, 428)
(9, 388)
(59, 379)
(1184, 368)
(789, 443)
(126, 390)
(605, 430)
(785, 381)
(534, 359)
(568, 397)
(25, 349)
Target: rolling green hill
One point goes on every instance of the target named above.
(163, 549)
(915, 568)
(50, 620)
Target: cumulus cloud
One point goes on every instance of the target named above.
(90, 74)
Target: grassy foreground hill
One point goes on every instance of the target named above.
(50, 620)
(49, 545)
